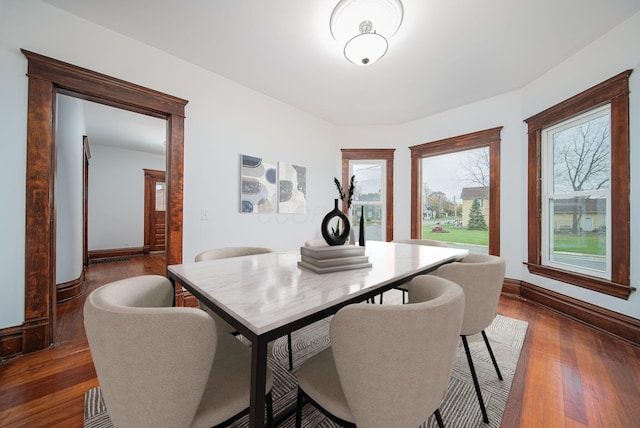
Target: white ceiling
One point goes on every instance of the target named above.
(447, 53)
(113, 127)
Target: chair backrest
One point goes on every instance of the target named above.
(395, 361)
(228, 252)
(152, 360)
(430, 242)
(481, 277)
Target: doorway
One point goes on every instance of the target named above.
(47, 78)
(154, 211)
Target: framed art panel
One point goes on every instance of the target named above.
(292, 189)
(258, 185)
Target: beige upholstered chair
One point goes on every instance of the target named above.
(481, 277)
(429, 242)
(226, 253)
(388, 365)
(163, 366)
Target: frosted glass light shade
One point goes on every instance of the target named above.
(365, 49)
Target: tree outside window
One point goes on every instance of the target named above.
(576, 192)
(579, 189)
(459, 198)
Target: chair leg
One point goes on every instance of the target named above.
(485, 418)
(382, 294)
(269, 403)
(403, 293)
(493, 358)
(439, 418)
(299, 404)
(290, 351)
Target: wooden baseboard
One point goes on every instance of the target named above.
(10, 341)
(70, 289)
(31, 336)
(511, 286)
(115, 252)
(614, 323)
(35, 335)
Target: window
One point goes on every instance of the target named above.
(455, 191)
(160, 192)
(373, 195)
(579, 187)
(576, 194)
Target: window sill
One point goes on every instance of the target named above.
(584, 281)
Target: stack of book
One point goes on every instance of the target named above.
(333, 258)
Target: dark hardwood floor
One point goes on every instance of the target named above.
(569, 375)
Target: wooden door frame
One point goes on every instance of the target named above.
(149, 208)
(47, 78)
(85, 200)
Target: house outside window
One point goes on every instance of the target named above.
(455, 191)
(579, 189)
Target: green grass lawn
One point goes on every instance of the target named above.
(582, 243)
(457, 234)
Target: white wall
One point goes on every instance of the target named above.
(223, 121)
(608, 56)
(13, 123)
(116, 196)
(70, 128)
(615, 52)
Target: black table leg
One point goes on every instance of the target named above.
(258, 382)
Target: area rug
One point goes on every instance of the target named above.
(460, 408)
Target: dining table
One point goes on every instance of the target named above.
(266, 296)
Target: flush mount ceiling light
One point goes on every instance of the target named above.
(364, 26)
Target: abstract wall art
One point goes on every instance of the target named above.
(292, 188)
(258, 185)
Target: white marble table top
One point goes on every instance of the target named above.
(267, 291)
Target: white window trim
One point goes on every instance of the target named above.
(383, 186)
(548, 194)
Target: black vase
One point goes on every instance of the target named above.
(329, 235)
(361, 234)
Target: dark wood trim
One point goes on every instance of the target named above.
(614, 323)
(174, 178)
(511, 286)
(10, 341)
(48, 77)
(585, 281)
(621, 182)
(534, 202)
(70, 289)
(40, 217)
(89, 85)
(591, 98)
(116, 252)
(34, 333)
(614, 91)
(487, 138)
(377, 154)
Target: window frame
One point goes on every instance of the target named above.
(614, 91)
(386, 155)
(548, 192)
(487, 138)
